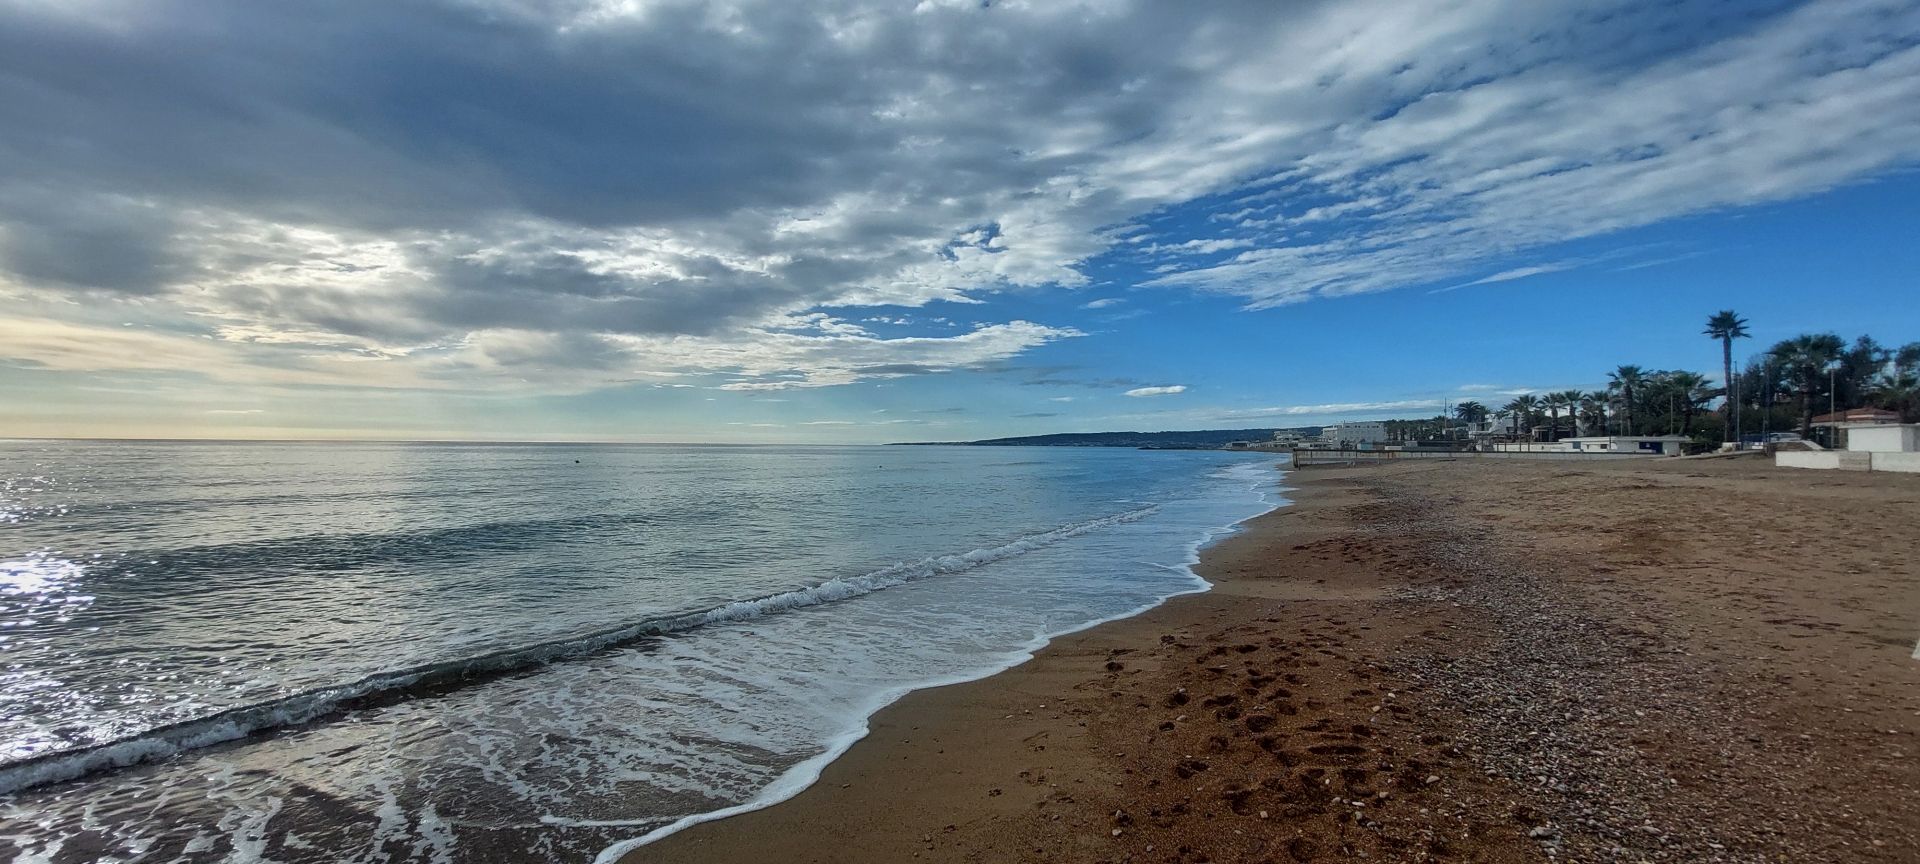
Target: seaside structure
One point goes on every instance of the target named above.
(1884, 438)
(1870, 446)
(1832, 429)
(1500, 427)
(1640, 445)
(1366, 435)
(1653, 445)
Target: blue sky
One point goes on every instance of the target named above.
(862, 222)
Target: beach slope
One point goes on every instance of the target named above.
(1450, 660)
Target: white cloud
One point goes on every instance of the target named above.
(1345, 408)
(1512, 275)
(1200, 246)
(1556, 150)
(50, 344)
(1103, 303)
(769, 360)
(863, 155)
(1169, 390)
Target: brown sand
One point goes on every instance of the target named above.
(1669, 660)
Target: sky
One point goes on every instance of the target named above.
(859, 222)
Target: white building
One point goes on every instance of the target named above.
(1651, 445)
(1871, 446)
(1834, 428)
(1638, 445)
(1884, 437)
(1355, 436)
(1496, 427)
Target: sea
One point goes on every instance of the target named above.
(381, 652)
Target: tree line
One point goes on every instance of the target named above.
(1779, 389)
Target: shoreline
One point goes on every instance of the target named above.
(807, 774)
(918, 710)
(1451, 661)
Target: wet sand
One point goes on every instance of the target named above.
(1669, 660)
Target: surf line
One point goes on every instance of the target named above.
(244, 721)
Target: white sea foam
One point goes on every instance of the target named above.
(1259, 478)
(240, 722)
(559, 749)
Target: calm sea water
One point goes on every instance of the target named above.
(403, 652)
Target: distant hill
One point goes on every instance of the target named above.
(1199, 439)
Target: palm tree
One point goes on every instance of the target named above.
(1626, 378)
(1897, 387)
(1900, 394)
(1470, 412)
(1807, 357)
(1727, 326)
(1570, 399)
(1554, 402)
(1906, 361)
(1690, 390)
(1593, 410)
(1524, 408)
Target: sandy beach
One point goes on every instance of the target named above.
(1662, 660)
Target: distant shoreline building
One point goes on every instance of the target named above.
(1365, 435)
(1642, 445)
(1872, 445)
(1497, 428)
(1834, 429)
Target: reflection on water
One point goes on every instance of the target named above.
(37, 591)
(437, 649)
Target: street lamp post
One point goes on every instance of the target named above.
(1833, 392)
(1766, 417)
(1733, 393)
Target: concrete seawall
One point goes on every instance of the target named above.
(1304, 458)
(1847, 460)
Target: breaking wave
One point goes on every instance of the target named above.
(389, 687)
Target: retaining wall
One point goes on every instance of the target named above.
(1848, 460)
(1336, 457)
(1905, 463)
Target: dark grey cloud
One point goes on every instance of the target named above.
(378, 176)
(421, 114)
(104, 244)
(557, 292)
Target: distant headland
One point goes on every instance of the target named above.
(1199, 439)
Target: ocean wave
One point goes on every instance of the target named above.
(387, 687)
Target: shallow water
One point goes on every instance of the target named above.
(304, 652)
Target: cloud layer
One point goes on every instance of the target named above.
(568, 194)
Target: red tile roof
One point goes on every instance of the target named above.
(1859, 415)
